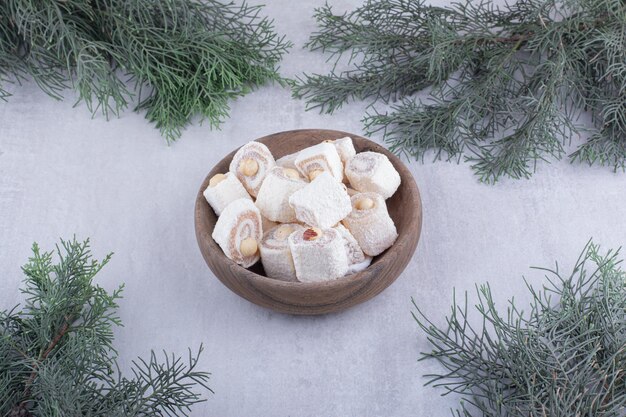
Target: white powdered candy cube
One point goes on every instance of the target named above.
(353, 250)
(322, 203)
(250, 164)
(357, 260)
(318, 254)
(288, 161)
(345, 149)
(238, 231)
(319, 158)
(373, 172)
(370, 223)
(276, 253)
(223, 189)
(273, 197)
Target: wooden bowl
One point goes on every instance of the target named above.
(405, 208)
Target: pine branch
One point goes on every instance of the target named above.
(175, 59)
(506, 82)
(563, 357)
(57, 356)
(42, 357)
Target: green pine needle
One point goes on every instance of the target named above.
(506, 82)
(565, 356)
(175, 59)
(57, 356)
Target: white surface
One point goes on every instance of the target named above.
(62, 173)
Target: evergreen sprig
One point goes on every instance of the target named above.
(507, 83)
(175, 59)
(563, 357)
(57, 356)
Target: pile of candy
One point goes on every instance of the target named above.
(322, 209)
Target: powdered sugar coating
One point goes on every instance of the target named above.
(225, 192)
(273, 197)
(239, 220)
(262, 156)
(373, 172)
(322, 156)
(373, 228)
(288, 161)
(321, 259)
(353, 250)
(345, 149)
(361, 266)
(322, 203)
(276, 252)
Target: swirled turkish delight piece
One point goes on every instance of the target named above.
(250, 164)
(223, 189)
(276, 253)
(238, 231)
(370, 223)
(353, 250)
(319, 158)
(373, 172)
(318, 254)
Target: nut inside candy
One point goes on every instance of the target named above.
(248, 247)
(364, 204)
(313, 174)
(216, 179)
(291, 173)
(249, 167)
(311, 233)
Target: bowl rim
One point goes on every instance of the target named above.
(404, 235)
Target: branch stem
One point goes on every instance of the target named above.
(43, 356)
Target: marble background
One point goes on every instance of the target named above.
(64, 173)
